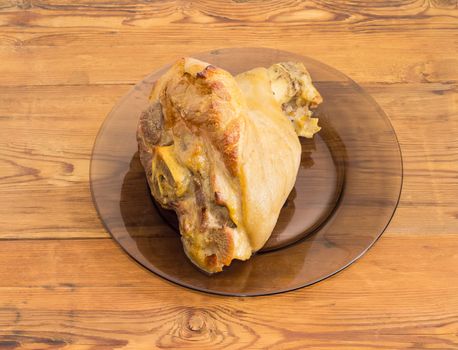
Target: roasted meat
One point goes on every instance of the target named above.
(223, 152)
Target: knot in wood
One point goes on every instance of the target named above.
(196, 322)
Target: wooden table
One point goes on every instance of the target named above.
(65, 284)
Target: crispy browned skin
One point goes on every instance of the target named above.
(221, 152)
(190, 136)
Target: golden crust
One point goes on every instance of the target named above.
(200, 107)
(229, 146)
(208, 150)
(218, 110)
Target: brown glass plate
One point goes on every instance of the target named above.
(346, 192)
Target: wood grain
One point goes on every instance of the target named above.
(100, 298)
(57, 156)
(62, 41)
(65, 284)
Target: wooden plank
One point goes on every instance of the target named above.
(43, 42)
(63, 64)
(84, 61)
(324, 15)
(45, 175)
(45, 149)
(88, 294)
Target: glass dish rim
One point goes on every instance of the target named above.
(175, 281)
